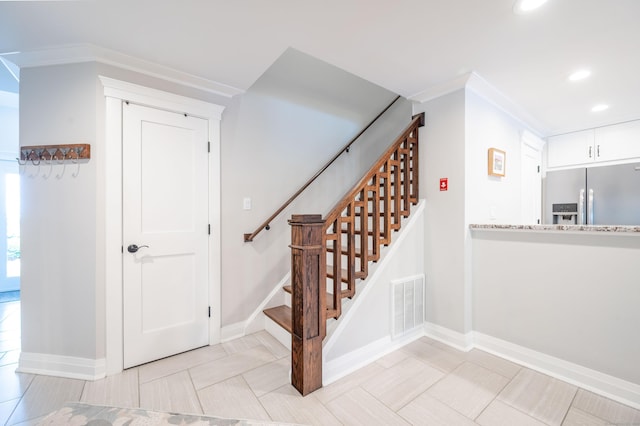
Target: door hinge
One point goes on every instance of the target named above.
(209, 311)
(208, 146)
(209, 229)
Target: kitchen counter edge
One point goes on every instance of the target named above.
(599, 229)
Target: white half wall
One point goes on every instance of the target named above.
(571, 296)
(363, 333)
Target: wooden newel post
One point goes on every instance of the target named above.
(307, 302)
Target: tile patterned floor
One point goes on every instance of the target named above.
(425, 383)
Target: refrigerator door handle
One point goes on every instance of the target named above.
(581, 208)
(590, 207)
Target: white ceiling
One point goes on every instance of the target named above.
(415, 48)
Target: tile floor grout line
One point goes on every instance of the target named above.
(14, 410)
(503, 388)
(21, 397)
(257, 398)
(379, 400)
(139, 386)
(430, 386)
(575, 394)
(521, 411)
(84, 385)
(195, 391)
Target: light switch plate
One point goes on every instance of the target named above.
(246, 203)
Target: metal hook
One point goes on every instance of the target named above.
(77, 150)
(33, 155)
(51, 152)
(33, 175)
(63, 151)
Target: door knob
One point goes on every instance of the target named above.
(134, 248)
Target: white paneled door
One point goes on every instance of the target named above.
(531, 176)
(165, 233)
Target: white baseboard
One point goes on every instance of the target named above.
(602, 384)
(348, 363)
(462, 342)
(232, 331)
(62, 366)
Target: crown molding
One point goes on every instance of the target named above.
(441, 89)
(481, 87)
(79, 53)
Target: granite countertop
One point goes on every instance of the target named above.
(557, 228)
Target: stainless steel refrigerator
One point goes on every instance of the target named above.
(603, 195)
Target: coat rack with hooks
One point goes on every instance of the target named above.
(78, 151)
(50, 155)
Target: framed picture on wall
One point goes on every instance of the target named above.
(497, 160)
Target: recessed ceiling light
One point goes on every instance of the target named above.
(579, 75)
(599, 107)
(524, 6)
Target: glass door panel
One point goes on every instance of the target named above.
(9, 226)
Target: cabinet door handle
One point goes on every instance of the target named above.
(590, 148)
(598, 151)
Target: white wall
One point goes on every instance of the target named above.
(571, 296)
(461, 127)
(442, 155)
(275, 137)
(58, 227)
(489, 127)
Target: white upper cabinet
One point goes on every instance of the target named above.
(571, 149)
(617, 142)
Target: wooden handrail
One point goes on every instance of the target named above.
(265, 224)
(417, 121)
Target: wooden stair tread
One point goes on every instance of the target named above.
(329, 296)
(281, 315)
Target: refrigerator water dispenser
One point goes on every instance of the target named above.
(565, 214)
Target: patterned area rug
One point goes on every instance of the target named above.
(77, 414)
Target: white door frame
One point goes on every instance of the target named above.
(116, 92)
(530, 142)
